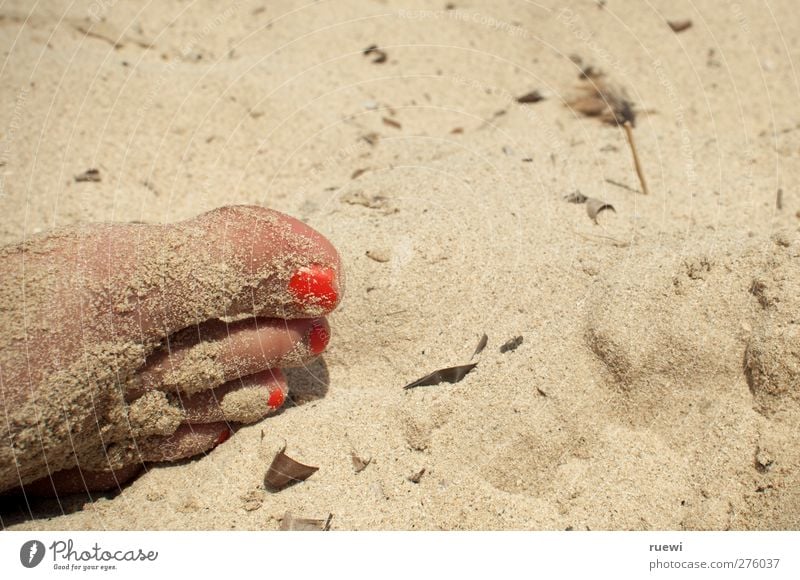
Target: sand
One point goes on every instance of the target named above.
(657, 385)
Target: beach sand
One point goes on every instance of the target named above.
(657, 384)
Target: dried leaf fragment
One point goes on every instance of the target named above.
(481, 345)
(380, 55)
(532, 97)
(679, 25)
(448, 375)
(595, 206)
(289, 523)
(391, 123)
(600, 99)
(575, 197)
(359, 463)
(417, 476)
(511, 344)
(285, 471)
(371, 138)
(92, 175)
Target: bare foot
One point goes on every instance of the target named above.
(125, 343)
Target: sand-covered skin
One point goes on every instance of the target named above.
(657, 383)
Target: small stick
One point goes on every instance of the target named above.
(779, 199)
(639, 172)
(622, 185)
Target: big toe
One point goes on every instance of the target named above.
(228, 262)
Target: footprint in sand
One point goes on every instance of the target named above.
(701, 326)
(709, 343)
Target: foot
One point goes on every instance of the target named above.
(126, 343)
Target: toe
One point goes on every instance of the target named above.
(187, 441)
(216, 352)
(275, 265)
(229, 262)
(244, 400)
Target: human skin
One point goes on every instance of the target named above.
(122, 344)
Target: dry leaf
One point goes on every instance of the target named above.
(289, 523)
(575, 197)
(380, 55)
(359, 463)
(511, 344)
(532, 97)
(481, 345)
(357, 173)
(92, 175)
(417, 476)
(391, 123)
(595, 206)
(679, 25)
(371, 138)
(448, 375)
(600, 99)
(285, 471)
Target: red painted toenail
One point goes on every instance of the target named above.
(224, 436)
(315, 285)
(318, 337)
(276, 398)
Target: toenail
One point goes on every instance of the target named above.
(224, 436)
(315, 285)
(276, 398)
(318, 337)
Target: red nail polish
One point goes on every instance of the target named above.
(315, 285)
(276, 398)
(318, 337)
(224, 436)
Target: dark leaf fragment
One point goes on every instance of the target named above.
(371, 138)
(289, 523)
(595, 206)
(448, 375)
(380, 56)
(679, 25)
(600, 99)
(285, 471)
(391, 123)
(532, 97)
(359, 463)
(92, 175)
(417, 476)
(511, 344)
(481, 345)
(575, 197)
